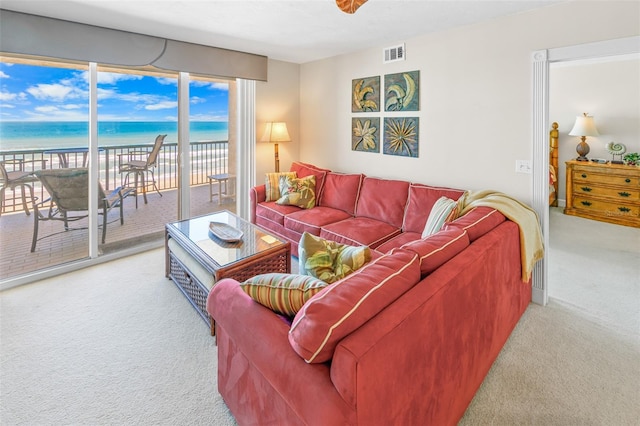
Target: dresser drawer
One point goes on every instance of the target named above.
(587, 188)
(596, 178)
(610, 208)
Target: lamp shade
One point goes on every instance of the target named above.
(584, 126)
(275, 132)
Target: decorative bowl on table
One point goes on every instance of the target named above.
(225, 232)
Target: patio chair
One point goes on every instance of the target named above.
(14, 179)
(69, 200)
(128, 164)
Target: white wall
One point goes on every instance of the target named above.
(475, 99)
(278, 100)
(610, 92)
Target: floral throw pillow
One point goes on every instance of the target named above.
(282, 293)
(299, 192)
(272, 184)
(328, 260)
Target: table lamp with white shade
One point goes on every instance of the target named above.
(583, 127)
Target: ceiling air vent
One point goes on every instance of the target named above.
(393, 54)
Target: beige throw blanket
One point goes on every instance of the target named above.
(531, 246)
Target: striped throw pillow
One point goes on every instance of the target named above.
(444, 210)
(282, 293)
(272, 184)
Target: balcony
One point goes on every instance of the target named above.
(146, 222)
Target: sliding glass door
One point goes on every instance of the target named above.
(46, 124)
(136, 109)
(212, 151)
(43, 128)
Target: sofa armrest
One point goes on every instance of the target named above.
(257, 194)
(449, 327)
(261, 336)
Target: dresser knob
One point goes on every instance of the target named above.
(586, 203)
(624, 194)
(624, 209)
(586, 189)
(584, 175)
(628, 180)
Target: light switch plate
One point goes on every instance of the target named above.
(523, 166)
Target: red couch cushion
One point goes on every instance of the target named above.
(274, 212)
(398, 241)
(359, 231)
(313, 219)
(341, 191)
(384, 200)
(477, 221)
(438, 248)
(344, 306)
(421, 200)
(303, 170)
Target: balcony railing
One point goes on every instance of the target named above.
(206, 158)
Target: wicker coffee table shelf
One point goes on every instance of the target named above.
(196, 259)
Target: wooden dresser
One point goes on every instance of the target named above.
(605, 192)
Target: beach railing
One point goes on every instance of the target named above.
(206, 158)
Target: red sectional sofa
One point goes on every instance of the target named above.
(407, 339)
(352, 209)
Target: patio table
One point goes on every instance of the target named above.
(63, 154)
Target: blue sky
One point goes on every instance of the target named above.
(36, 93)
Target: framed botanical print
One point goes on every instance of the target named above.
(365, 94)
(365, 134)
(401, 136)
(402, 91)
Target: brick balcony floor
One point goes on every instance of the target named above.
(140, 225)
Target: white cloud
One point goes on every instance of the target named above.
(106, 94)
(16, 97)
(162, 105)
(167, 81)
(47, 109)
(3, 75)
(211, 85)
(197, 100)
(3, 106)
(109, 77)
(57, 92)
(219, 86)
(6, 96)
(73, 106)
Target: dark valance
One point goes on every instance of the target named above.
(26, 34)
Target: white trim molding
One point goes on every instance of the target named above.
(540, 118)
(246, 146)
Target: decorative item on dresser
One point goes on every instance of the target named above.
(616, 149)
(604, 192)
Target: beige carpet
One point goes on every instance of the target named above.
(118, 344)
(594, 268)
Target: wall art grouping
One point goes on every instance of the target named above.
(400, 135)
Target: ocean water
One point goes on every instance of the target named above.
(19, 135)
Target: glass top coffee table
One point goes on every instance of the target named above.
(199, 254)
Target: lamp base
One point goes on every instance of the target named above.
(582, 149)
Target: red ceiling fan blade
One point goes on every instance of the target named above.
(350, 6)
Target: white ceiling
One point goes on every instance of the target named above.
(296, 31)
